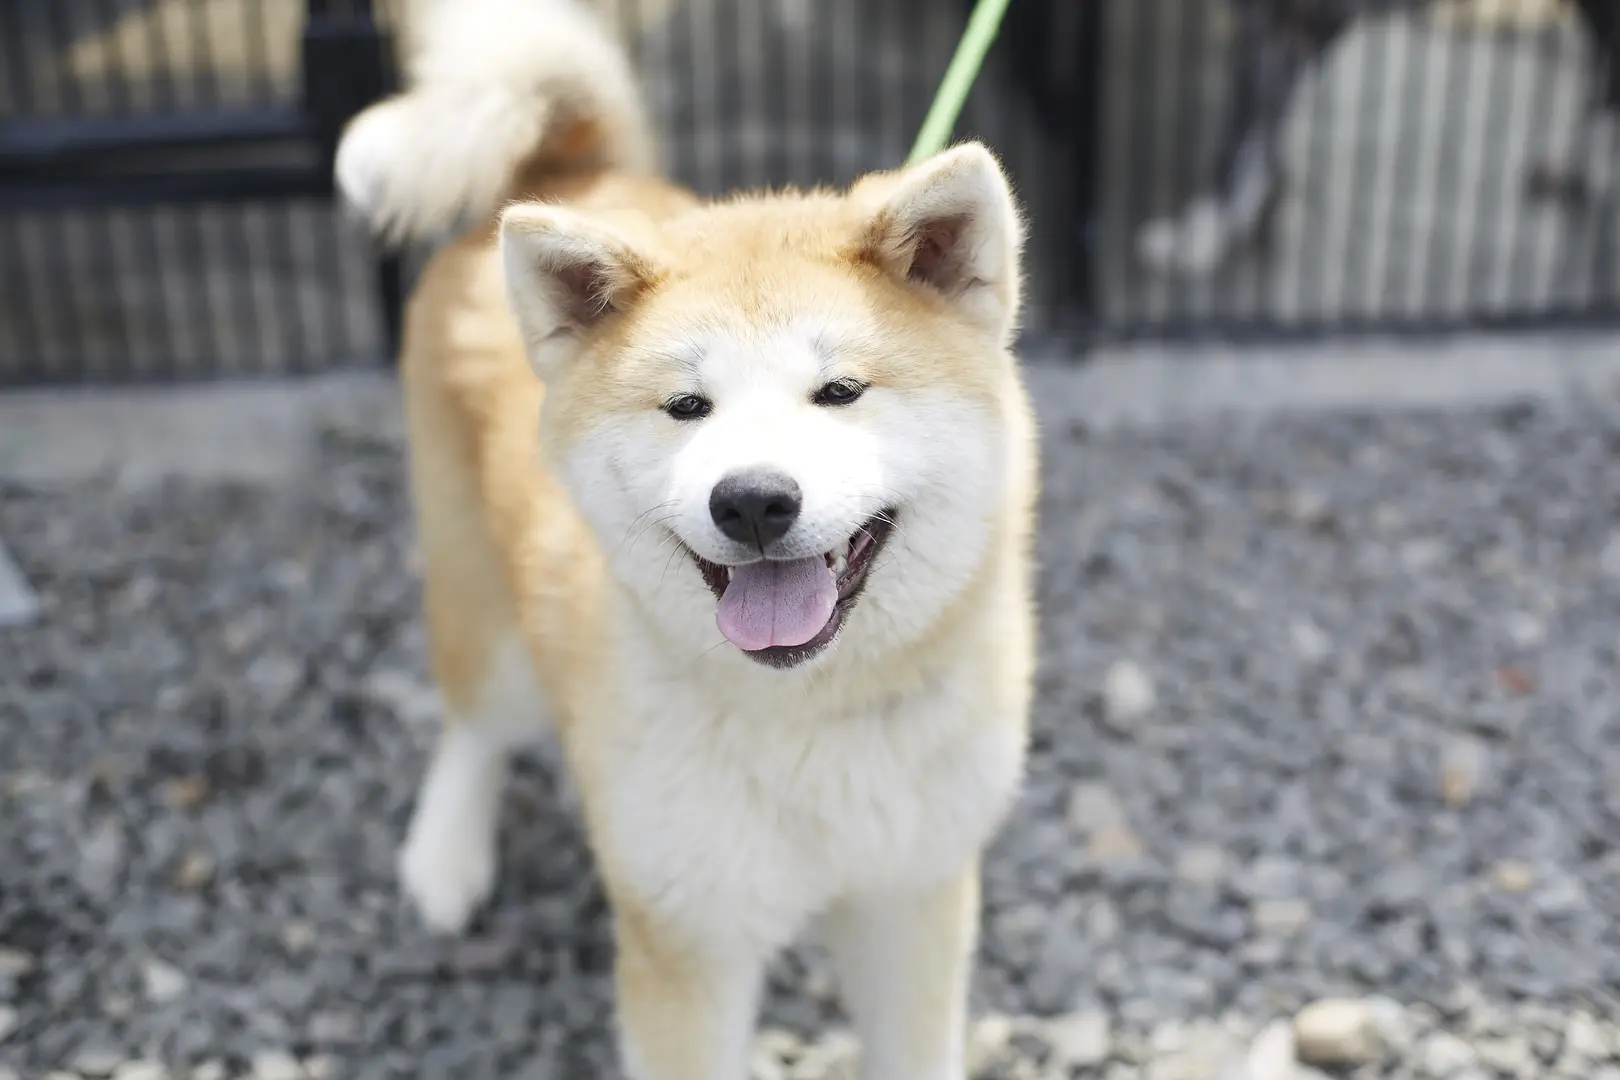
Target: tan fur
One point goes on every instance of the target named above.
(495, 524)
(505, 548)
(727, 804)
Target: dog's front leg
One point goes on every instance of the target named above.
(686, 1011)
(904, 961)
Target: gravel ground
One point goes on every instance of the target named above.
(1330, 712)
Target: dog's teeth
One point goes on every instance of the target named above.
(728, 573)
(838, 564)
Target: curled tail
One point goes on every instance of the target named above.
(495, 88)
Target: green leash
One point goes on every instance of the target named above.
(958, 80)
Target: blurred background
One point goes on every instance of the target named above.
(1326, 778)
(164, 164)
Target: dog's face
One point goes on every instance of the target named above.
(784, 418)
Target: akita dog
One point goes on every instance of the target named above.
(735, 497)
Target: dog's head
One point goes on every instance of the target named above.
(770, 408)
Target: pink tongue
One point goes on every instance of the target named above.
(777, 603)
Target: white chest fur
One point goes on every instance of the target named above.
(747, 821)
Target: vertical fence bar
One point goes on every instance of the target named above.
(1143, 164)
(69, 94)
(1199, 295)
(816, 81)
(838, 110)
(24, 299)
(117, 251)
(1085, 153)
(776, 91)
(1437, 258)
(204, 78)
(19, 72)
(1503, 287)
(731, 96)
(1365, 171)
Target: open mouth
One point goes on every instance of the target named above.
(781, 612)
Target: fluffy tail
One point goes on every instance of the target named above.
(495, 87)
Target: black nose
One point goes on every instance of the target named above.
(755, 506)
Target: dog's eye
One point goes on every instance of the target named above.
(839, 392)
(688, 407)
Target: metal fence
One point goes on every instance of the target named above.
(1357, 164)
(1190, 166)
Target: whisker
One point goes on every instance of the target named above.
(642, 516)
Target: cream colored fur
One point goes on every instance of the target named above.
(500, 79)
(730, 805)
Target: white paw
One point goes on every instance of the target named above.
(448, 862)
(448, 874)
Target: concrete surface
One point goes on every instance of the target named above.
(267, 431)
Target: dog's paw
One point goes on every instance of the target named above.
(448, 875)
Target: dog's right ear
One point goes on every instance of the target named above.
(566, 275)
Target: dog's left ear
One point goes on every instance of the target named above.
(951, 225)
(566, 275)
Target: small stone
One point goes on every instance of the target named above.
(276, 1065)
(7, 1073)
(1280, 918)
(1115, 844)
(1271, 1055)
(1271, 878)
(1562, 896)
(101, 860)
(480, 955)
(988, 1040)
(164, 982)
(819, 984)
(140, 1070)
(19, 604)
(9, 1019)
(241, 633)
(1080, 1040)
(333, 1027)
(275, 675)
(1515, 681)
(1510, 1056)
(1308, 507)
(1609, 561)
(406, 694)
(1128, 694)
(1094, 806)
(1583, 1039)
(1512, 876)
(1420, 556)
(1443, 1054)
(210, 1070)
(15, 964)
(1202, 865)
(832, 1057)
(1525, 630)
(194, 870)
(298, 936)
(320, 1067)
(186, 792)
(96, 1062)
(1311, 643)
(774, 1051)
(1340, 1032)
(1462, 769)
